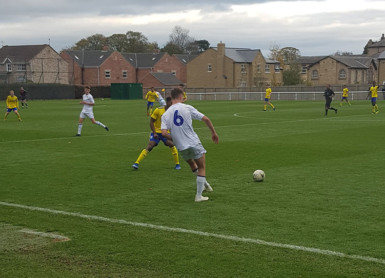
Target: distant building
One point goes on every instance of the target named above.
(337, 70)
(374, 48)
(223, 67)
(98, 67)
(32, 63)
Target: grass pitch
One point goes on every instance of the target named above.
(324, 189)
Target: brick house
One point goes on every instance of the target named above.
(223, 67)
(98, 67)
(147, 64)
(338, 70)
(32, 63)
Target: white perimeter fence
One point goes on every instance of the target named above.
(260, 96)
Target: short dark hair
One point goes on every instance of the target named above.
(87, 87)
(168, 99)
(176, 92)
(181, 85)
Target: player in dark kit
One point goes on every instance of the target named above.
(329, 94)
(23, 96)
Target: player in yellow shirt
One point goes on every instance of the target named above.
(12, 105)
(151, 96)
(345, 95)
(373, 94)
(156, 136)
(267, 99)
(181, 86)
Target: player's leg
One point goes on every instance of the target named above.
(265, 105)
(17, 114)
(99, 124)
(80, 124)
(201, 178)
(174, 152)
(151, 144)
(272, 106)
(6, 114)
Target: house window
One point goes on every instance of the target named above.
(107, 73)
(9, 67)
(342, 74)
(243, 68)
(304, 70)
(209, 68)
(243, 84)
(173, 72)
(258, 68)
(124, 74)
(277, 68)
(267, 68)
(314, 74)
(21, 67)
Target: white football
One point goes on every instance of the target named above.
(259, 175)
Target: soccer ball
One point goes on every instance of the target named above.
(259, 175)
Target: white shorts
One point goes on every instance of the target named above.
(84, 115)
(193, 153)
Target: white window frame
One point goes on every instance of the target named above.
(124, 74)
(304, 70)
(267, 68)
(243, 68)
(342, 74)
(21, 67)
(277, 68)
(107, 74)
(209, 68)
(314, 74)
(9, 67)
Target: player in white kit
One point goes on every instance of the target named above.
(178, 120)
(87, 111)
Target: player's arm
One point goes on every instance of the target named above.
(214, 135)
(152, 127)
(367, 97)
(88, 103)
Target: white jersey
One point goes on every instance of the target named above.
(178, 119)
(161, 99)
(88, 108)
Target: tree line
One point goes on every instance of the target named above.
(180, 42)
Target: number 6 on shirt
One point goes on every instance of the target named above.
(178, 119)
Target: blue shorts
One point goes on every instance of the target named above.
(344, 98)
(267, 99)
(11, 109)
(150, 103)
(160, 137)
(374, 100)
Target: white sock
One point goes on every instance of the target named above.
(200, 185)
(80, 126)
(196, 173)
(99, 123)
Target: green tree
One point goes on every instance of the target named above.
(137, 42)
(94, 42)
(118, 42)
(171, 49)
(288, 59)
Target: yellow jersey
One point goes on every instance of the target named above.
(374, 89)
(151, 96)
(157, 116)
(345, 92)
(12, 102)
(268, 93)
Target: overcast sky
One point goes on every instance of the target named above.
(316, 27)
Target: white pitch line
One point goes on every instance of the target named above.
(42, 234)
(199, 233)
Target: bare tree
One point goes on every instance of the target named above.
(180, 38)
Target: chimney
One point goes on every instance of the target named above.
(221, 65)
(105, 48)
(382, 37)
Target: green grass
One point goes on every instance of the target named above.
(324, 189)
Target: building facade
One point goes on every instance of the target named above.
(32, 64)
